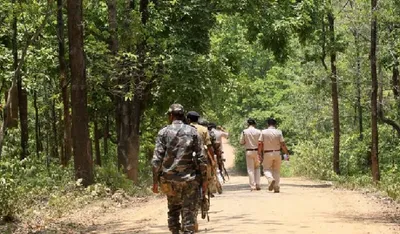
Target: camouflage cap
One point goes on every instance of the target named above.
(176, 109)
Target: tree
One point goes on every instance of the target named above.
(374, 93)
(334, 91)
(66, 154)
(80, 117)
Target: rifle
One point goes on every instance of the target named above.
(225, 171)
(205, 204)
(221, 166)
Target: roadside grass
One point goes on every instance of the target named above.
(33, 195)
(389, 185)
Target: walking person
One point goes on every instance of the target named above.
(193, 119)
(249, 138)
(218, 150)
(179, 165)
(271, 142)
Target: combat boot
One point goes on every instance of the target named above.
(175, 232)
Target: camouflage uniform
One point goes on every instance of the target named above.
(179, 159)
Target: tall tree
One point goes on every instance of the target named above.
(80, 117)
(374, 93)
(22, 94)
(334, 91)
(66, 154)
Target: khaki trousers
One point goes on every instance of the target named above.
(253, 168)
(272, 167)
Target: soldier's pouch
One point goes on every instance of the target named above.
(166, 187)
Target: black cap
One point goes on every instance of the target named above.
(203, 122)
(251, 121)
(212, 125)
(271, 121)
(193, 114)
(176, 109)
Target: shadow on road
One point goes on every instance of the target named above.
(306, 185)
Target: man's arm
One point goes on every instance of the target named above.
(284, 148)
(210, 150)
(260, 147)
(242, 141)
(260, 150)
(159, 153)
(283, 145)
(201, 161)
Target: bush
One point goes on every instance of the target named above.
(391, 182)
(313, 160)
(111, 177)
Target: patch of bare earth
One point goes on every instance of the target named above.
(302, 207)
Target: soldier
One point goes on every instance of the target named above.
(193, 119)
(214, 184)
(270, 144)
(249, 138)
(178, 165)
(219, 133)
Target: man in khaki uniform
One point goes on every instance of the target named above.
(193, 119)
(249, 138)
(269, 150)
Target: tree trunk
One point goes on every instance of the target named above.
(124, 107)
(106, 135)
(396, 82)
(113, 26)
(113, 46)
(138, 100)
(12, 121)
(11, 112)
(66, 154)
(97, 137)
(23, 117)
(358, 75)
(80, 117)
(22, 96)
(39, 146)
(54, 143)
(334, 93)
(374, 95)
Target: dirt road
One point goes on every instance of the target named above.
(302, 207)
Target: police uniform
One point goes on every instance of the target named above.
(218, 138)
(179, 159)
(272, 139)
(249, 138)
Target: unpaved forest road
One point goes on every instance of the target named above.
(302, 207)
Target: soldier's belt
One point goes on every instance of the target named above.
(270, 151)
(251, 149)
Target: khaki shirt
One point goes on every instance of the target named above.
(271, 138)
(203, 132)
(219, 134)
(249, 138)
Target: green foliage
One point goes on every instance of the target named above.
(391, 183)
(313, 159)
(115, 179)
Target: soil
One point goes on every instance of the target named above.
(302, 207)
